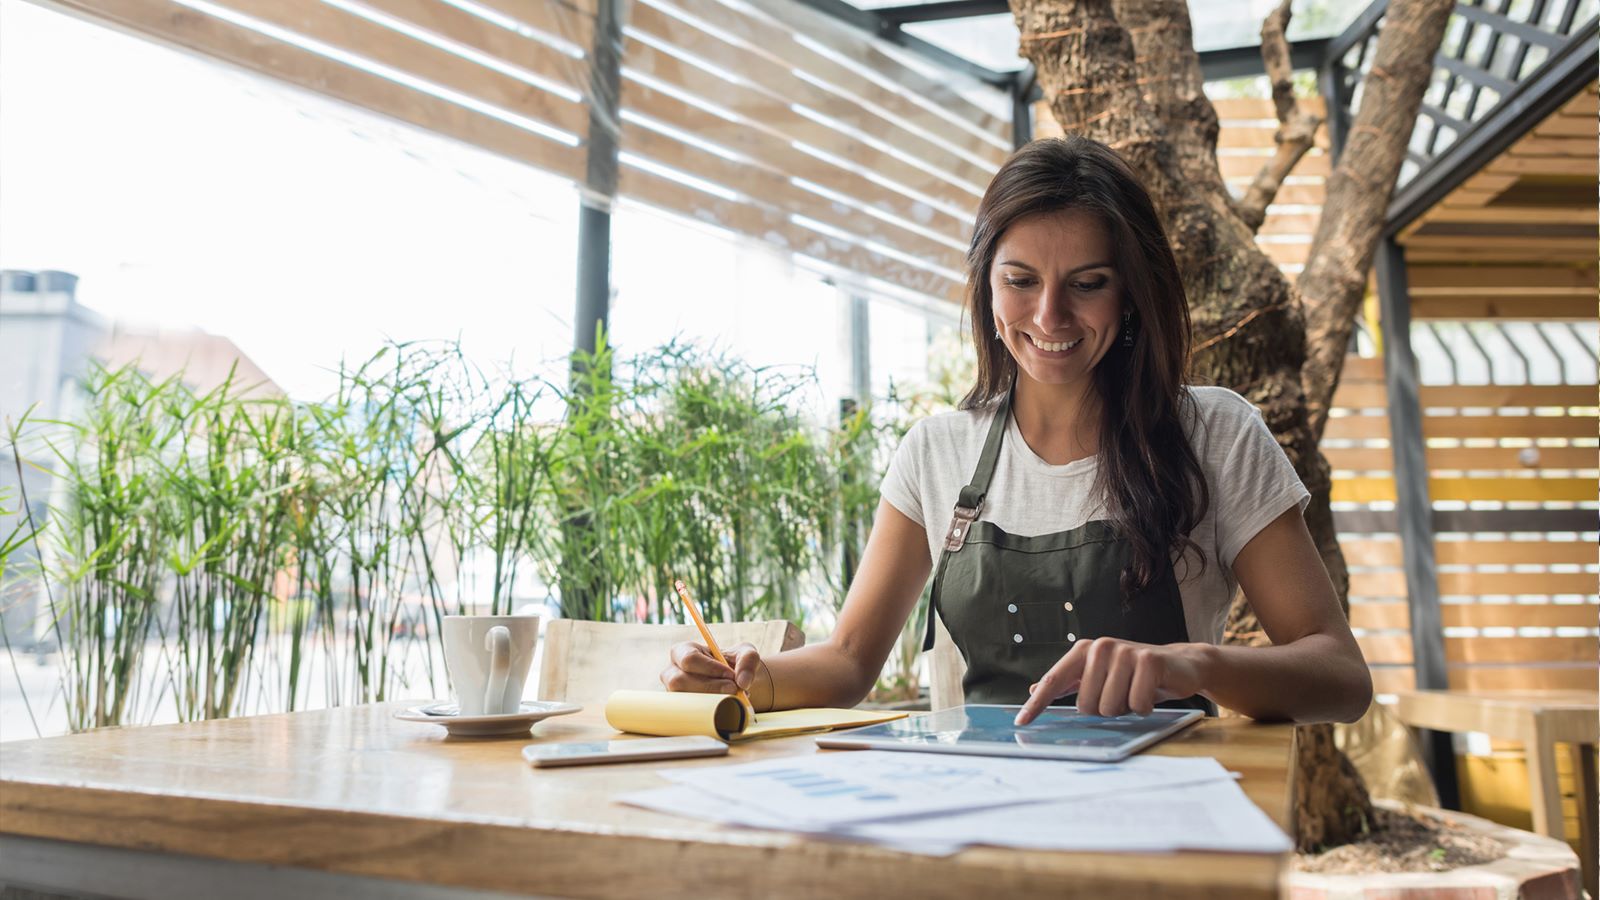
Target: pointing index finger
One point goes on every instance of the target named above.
(1061, 680)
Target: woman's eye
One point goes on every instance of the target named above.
(1018, 282)
(1095, 285)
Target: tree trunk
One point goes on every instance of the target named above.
(1126, 74)
(1334, 280)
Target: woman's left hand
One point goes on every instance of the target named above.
(1112, 677)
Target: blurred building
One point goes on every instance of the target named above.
(48, 343)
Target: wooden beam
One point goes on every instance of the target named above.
(769, 111)
(570, 21)
(1467, 459)
(378, 43)
(760, 142)
(947, 174)
(779, 232)
(526, 53)
(1579, 677)
(1313, 164)
(1395, 648)
(1372, 552)
(191, 30)
(775, 189)
(1467, 244)
(1543, 490)
(1537, 144)
(1545, 165)
(1568, 126)
(1471, 279)
(1557, 308)
(1517, 215)
(1456, 396)
(1245, 108)
(1475, 584)
(980, 134)
(1458, 426)
(1288, 223)
(1380, 616)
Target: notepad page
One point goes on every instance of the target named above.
(672, 714)
(783, 723)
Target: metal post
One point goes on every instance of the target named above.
(600, 184)
(859, 331)
(1331, 84)
(582, 595)
(1413, 505)
(1021, 107)
(860, 349)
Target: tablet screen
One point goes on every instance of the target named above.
(1060, 732)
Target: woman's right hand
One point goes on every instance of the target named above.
(696, 670)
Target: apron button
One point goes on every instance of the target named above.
(1016, 638)
(1068, 605)
(1071, 636)
(1011, 607)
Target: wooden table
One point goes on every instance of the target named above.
(1539, 720)
(353, 792)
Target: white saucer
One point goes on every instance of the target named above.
(485, 726)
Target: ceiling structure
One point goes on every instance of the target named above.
(980, 36)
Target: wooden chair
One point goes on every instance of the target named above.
(585, 661)
(946, 668)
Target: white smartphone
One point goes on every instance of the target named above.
(583, 753)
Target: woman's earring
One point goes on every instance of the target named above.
(997, 332)
(1127, 329)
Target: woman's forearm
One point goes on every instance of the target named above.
(1313, 679)
(823, 674)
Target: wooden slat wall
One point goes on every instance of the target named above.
(1244, 145)
(1519, 611)
(889, 181)
(735, 114)
(1533, 202)
(275, 40)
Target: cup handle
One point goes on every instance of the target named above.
(498, 643)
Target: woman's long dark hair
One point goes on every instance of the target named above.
(1154, 489)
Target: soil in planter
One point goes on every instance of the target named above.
(1406, 842)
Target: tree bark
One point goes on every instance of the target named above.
(1297, 127)
(1127, 74)
(1334, 280)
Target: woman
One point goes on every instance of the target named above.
(1088, 512)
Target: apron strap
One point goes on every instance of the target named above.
(969, 505)
(972, 495)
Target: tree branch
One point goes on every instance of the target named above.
(1335, 277)
(1297, 126)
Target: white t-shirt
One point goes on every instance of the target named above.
(1251, 482)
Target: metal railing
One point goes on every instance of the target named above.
(1493, 50)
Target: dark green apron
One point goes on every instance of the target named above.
(1015, 605)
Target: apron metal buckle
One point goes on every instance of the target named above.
(960, 525)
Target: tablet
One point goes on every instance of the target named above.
(1061, 732)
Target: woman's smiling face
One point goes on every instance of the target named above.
(1057, 296)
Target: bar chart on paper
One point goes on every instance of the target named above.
(908, 781)
(840, 788)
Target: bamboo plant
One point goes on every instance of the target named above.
(219, 552)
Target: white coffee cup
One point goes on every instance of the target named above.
(488, 658)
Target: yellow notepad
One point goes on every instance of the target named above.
(672, 713)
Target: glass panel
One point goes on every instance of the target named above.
(1218, 25)
(674, 279)
(989, 41)
(203, 218)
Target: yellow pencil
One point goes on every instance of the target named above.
(711, 642)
